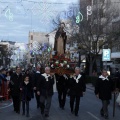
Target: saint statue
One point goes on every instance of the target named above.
(60, 40)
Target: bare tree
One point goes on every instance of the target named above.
(96, 30)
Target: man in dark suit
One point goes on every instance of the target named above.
(14, 87)
(77, 88)
(37, 78)
(45, 90)
(62, 87)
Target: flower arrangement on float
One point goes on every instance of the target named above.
(60, 61)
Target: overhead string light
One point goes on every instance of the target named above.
(19, 1)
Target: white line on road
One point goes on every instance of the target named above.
(6, 106)
(93, 116)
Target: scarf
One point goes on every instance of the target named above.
(46, 76)
(104, 78)
(26, 82)
(38, 72)
(77, 79)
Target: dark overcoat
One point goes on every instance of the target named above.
(77, 88)
(62, 83)
(45, 87)
(104, 88)
(26, 93)
(14, 85)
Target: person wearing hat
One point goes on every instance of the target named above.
(3, 74)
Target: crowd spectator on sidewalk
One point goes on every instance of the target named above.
(14, 87)
(3, 82)
(8, 77)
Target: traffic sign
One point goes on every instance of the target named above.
(106, 55)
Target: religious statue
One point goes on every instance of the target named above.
(60, 40)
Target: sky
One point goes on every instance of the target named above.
(18, 17)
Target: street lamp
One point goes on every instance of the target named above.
(79, 60)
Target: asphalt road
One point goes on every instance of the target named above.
(89, 110)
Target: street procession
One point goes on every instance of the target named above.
(59, 60)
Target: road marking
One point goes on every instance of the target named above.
(93, 116)
(6, 106)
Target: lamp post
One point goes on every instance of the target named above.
(48, 46)
(79, 60)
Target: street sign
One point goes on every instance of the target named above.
(106, 55)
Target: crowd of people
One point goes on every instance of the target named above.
(23, 86)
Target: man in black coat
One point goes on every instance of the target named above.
(37, 79)
(103, 90)
(77, 88)
(62, 88)
(45, 90)
(14, 87)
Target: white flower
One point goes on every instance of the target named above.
(68, 66)
(52, 66)
(65, 62)
(57, 62)
(61, 64)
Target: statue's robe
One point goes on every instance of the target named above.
(60, 42)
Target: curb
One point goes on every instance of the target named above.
(5, 104)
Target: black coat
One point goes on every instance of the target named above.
(36, 79)
(77, 88)
(104, 88)
(45, 87)
(14, 85)
(26, 93)
(62, 83)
